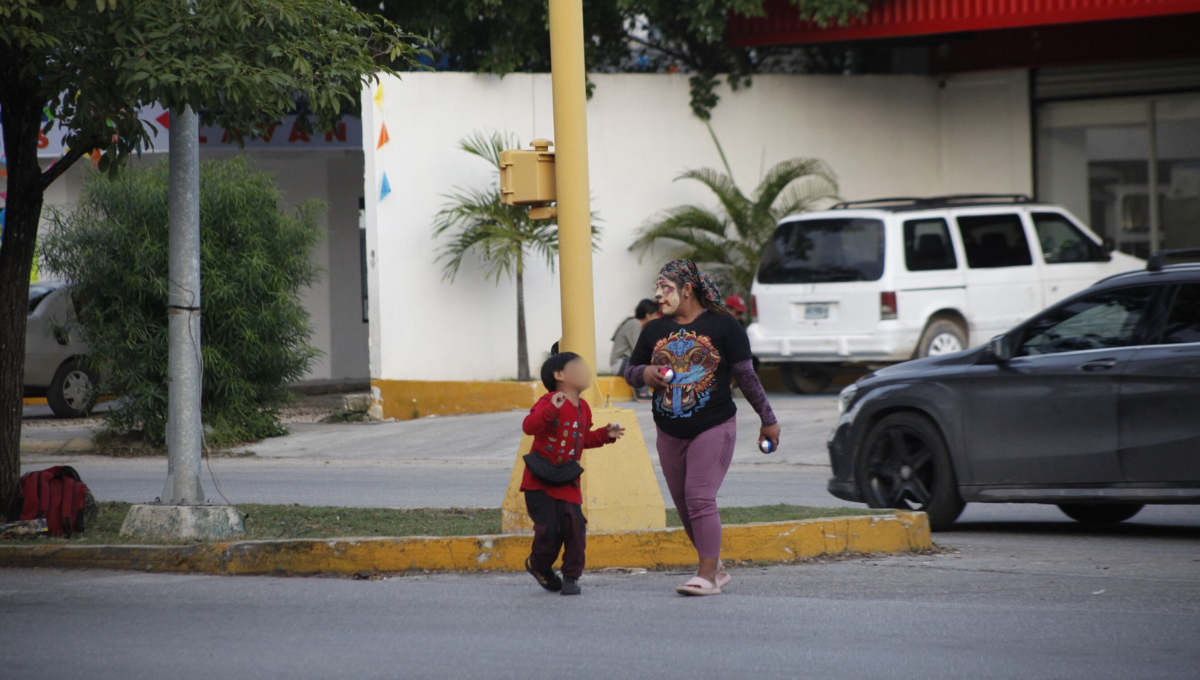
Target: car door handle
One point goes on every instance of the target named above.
(1098, 365)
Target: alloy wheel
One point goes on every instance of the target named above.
(901, 471)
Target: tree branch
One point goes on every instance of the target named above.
(62, 165)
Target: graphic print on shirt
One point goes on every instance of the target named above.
(694, 360)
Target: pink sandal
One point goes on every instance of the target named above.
(723, 578)
(698, 586)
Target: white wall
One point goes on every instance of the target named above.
(883, 136)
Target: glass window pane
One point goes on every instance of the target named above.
(1062, 242)
(1183, 323)
(823, 251)
(927, 245)
(1099, 321)
(994, 241)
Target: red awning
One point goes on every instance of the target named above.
(906, 18)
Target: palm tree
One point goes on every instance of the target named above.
(729, 243)
(502, 236)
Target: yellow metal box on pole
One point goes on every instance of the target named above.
(527, 177)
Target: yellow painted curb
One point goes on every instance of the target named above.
(653, 548)
(409, 399)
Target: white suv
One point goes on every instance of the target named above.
(874, 282)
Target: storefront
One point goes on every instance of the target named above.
(1114, 91)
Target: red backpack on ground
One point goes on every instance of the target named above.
(56, 494)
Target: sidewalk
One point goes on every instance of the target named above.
(450, 461)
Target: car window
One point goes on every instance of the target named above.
(1183, 323)
(927, 245)
(824, 251)
(1062, 241)
(994, 241)
(1098, 321)
(36, 295)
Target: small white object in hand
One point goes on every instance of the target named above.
(766, 446)
(667, 374)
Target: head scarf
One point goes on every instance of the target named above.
(685, 271)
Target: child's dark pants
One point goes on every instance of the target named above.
(557, 525)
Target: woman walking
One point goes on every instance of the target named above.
(688, 357)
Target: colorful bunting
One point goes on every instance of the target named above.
(385, 189)
(95, 156)
(383, 137)
(165, 120)
(379, 96)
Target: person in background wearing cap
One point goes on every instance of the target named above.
(737, 307)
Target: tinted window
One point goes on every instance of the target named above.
(927, 245)
(823, 251)
(1183, 323)
(1062, 241)
(36, 295)
(994, 241)
(1098, 321)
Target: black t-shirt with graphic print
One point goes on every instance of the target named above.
(702, 354)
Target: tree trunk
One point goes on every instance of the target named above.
(522, 341)
(21, 118)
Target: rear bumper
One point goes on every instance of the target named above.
(889, 342)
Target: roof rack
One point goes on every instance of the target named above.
(913, 203)
(1157, 260)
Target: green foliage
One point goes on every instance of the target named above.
(254, 260)
(502, 36)
(241, 63)
(730, 242)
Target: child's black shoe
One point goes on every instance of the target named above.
(549, 581)
(570, 586)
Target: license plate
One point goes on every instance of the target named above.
(814, 312)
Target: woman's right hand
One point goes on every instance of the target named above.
(653, 378)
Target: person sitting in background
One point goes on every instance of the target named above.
(626, 338)
(737, 307)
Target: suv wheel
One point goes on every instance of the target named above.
(1099, 513)
(904, 464)
(804, 378)
(72, 392)
(941, 336)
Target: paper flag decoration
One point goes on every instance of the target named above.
(379, 96)
(385, 189)
(165, 120)
(383, 136)
(95, 156)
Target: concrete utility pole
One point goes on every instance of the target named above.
(183, 513)
(184, 427)
(568, 79)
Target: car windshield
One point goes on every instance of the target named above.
(824, 251)
(37, 293)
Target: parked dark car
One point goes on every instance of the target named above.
(55, 354)
(1092, 405)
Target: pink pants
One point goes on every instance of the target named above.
(694, 469)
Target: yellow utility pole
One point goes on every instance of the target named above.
(568, 78)
(620, 490)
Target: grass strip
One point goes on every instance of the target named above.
(266, 522)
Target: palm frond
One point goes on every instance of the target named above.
(732, 200)
(803, 195)
(489, 145)
(782, 174)
(687, 224)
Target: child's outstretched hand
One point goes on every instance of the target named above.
(557, 399)
(614, 431)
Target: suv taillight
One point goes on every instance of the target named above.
(887, 306)
(753, 308)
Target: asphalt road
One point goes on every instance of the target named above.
(1045, 600)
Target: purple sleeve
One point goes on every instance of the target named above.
(635, 376)
(747, 379)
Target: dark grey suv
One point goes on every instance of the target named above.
(1092, 405)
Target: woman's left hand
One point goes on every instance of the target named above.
(769, 432)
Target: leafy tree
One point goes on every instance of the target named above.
(730, 241)
(90, 65)
(254, 260)
(502, 36)
(502, 236)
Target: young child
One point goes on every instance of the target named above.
(560, 423)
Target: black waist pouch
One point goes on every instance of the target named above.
(550, 473)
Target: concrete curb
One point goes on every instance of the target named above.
(656, 548)
(75, 445)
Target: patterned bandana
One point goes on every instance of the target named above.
(685, 271)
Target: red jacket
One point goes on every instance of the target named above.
(560, 434)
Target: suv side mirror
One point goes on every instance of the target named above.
(1108, 246)
(1000, 349)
